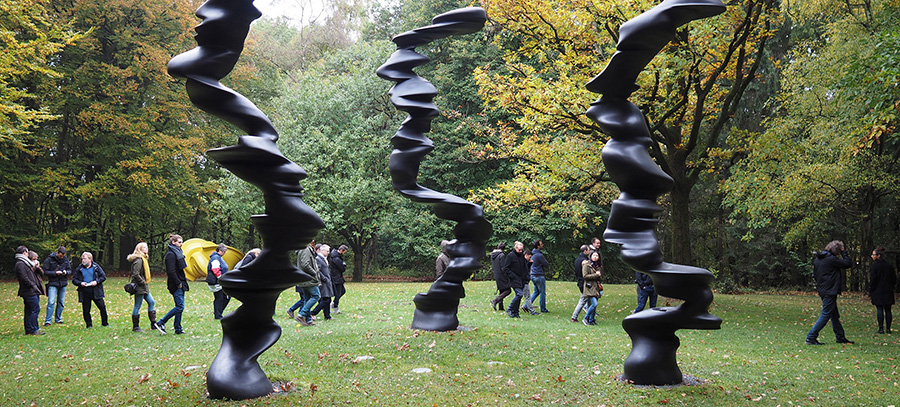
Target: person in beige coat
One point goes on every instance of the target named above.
(592, 271)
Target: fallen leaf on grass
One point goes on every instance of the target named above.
(144, 377)
(172, 384)
(537, 397)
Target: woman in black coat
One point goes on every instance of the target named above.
(503, 287)
(89, 278)
(882, 280)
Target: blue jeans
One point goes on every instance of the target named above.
(540, 288)
(517, 299)
(309, 296)
(829, 312)
(643, 294)
(55, 296)
(590, 312)
(138, 299)
(32, 310)
(176, 312)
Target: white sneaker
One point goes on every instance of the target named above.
(336, 311)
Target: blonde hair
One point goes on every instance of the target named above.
(137, 249)
(89, 255)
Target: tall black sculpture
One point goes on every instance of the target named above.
(288, 224)
(435, 310)
(633, 216)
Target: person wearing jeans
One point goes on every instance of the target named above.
(827, 271)
(140, 276)
(539, 267)
(309, 290)
(57, 269)
(592, 271)
(645, 291)
(176, 282)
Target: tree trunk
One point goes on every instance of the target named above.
(358, 257)
(681, 225)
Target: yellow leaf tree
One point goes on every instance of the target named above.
(688, 94)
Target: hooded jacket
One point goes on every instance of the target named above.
(137, 274)
(513, 266)
(216, 268)
(827, 271)
(306, 262)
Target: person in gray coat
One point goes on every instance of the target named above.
(326, 291)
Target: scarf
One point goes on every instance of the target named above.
(146, 267)
(24, 257)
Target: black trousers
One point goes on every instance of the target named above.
(339, 292)
(86, 311)
(220, 301)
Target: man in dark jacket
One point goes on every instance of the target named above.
(829, 280)
(539, 268)
(215, 269)
(497, 257)
(309, 290)
(337, 267)
(513, 265)
(176, 282)
(579, 280)
(57, 269)
(645, 291)
(30, 289)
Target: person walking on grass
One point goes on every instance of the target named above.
(337, 266)
(513, 264)
(539, 269)
(882, 281)
(592, 271)
(30, 289)
(140, 277)
(326, 290)
(497, 257)
(309, 290)
(214, 269)
(827, 268)
(57, 269)
(579, 280)
(645, 291)
(89, 278)
(176, 283)
(528, 306)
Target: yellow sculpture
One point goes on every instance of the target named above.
(196, 254)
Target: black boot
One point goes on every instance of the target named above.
(151, 315)
(500, 305)
(136, 322)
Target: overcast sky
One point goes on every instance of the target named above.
(301, 10)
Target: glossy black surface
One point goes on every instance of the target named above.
(436, 310)
(634, 215)
(288, 223)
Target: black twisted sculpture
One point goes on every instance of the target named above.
(435, 310)
(288, 224)
(633, 216)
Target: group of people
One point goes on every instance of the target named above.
(88, 278)
(324, 267)
(512, 272)
(827, 270)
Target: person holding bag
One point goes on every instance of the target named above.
(592, 271)
(140, 276)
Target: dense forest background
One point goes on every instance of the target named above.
(777, 120)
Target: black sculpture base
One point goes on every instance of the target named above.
(246, 333)
(654, 345)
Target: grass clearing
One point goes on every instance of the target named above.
(758, 358)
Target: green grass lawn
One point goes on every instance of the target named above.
(758, 358)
